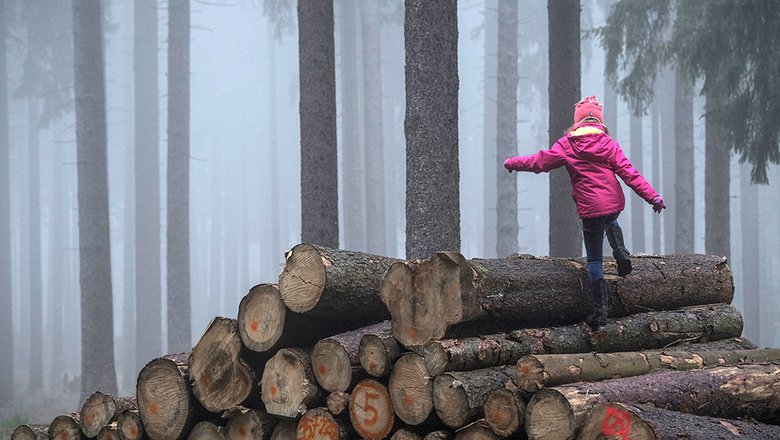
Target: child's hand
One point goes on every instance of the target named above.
(658, 204)
(508, 165)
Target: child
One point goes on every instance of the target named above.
(592, 159)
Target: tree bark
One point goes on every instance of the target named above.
(666, 102)
(66, 427)
(97, 335)
(246, 423)
(564, 91)
(130, 426)
(717, 180)
(288, 385)
(100, 410)
(744, 391)
(459, 396)
(411, 389)
(167, 406)
(534, 372)
(431, 125)
(319, 174)
(30, 432)
(334, 284)
(318, 424)
(6, 302)
(683, 203)
(378, 352)
(635, 332)
(206, 430)
(489, 127)
(641, 422)
(504, 411)
(636, 235)
(35, 275)
(751, 265)
(371, 410)
(334, 358)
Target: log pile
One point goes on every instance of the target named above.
(350, 345)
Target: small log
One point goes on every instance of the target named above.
(167, 406)
(31, 432)
(371, 410)
(411, 389)
(206, 430)
(328, 283)
(441, 434)
(543, 370)
(378, 352)
(288, 385)
(337, 402)
(458, 396)
(720, 344)
(319, 424)
(334, 358)
(504, 411)
(249, 424)
(646, 422)
(65, 427)
(743, 391)
(261, 316)
(403, 434)
(130, 425)
(476, 431)
(108, 432)
(285, 430)
(101, 409)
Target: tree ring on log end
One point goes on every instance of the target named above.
(411, 389)
(331, 365)
(108, 432)
(163, 399)
(96, 413)
(450, 401)
(504, 412)
(24, 432)
(284, 384)
(130, 426)
(303, 278)
(261, 316)
(373, 355)
(371, 410)
(549, 416)
(206, 430)
(529, 374)
(476, 432)
(64, 428)
(614, 420)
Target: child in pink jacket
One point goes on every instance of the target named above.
(592, 159)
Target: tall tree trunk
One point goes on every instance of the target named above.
(97, 330)
(431, 125)
(751, 292)
(34, 254)
(58, 260)
(6, 316)
(148, 277)
(506, 127)
(564, 91)
(372, 120)
(716, 183)
(489, 115)
(683, 164)
(637, 204)
(178, 222)
(319, 170)
(666, 100)
(655, 127)
(273, 157)
(353, 179)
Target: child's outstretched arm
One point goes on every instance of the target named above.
(623, 168)
(543, 161)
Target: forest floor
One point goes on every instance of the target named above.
(34, 409)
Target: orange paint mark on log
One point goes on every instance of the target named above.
(134, 432)
(274, 390)
(318, 428)
(408, 399)
(88, 419)
(372, 365)
(524, 370)
(411, 332)
(498, 418)
(207, 379)
(254, 325)
(64, 435)
(242, 432)
(616, 422)
(322, 369)
(153, 408)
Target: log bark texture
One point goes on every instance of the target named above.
(319, 424)
(329, 283)
(411, 389)
(504, 411)
(378, 352)
(66, 427)
(743, 391)
(371, 410)
(459, 396)
(100, 410)
(206, 430)
(288, 386)
(534, 372)
(130, 425)
(646, 422)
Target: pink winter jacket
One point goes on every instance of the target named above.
(592, 159)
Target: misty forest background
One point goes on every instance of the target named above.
(203, 157)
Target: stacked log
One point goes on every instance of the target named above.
(352, 345)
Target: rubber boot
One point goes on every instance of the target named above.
(600, 300)
(619, 251)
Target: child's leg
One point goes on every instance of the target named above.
(593, 234)
(619, 251)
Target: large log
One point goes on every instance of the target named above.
(31, 432)
(371, 410)
(330, 283)
(206, 430)
(459, 396)
(261, 316)
(411, 389)
(646, 422)
(504, 411)
(130, 425)
(319, 424)
(333, 359)
(220, 378)
(288, 385)
(378, 352)
(534, 372)
(634, 332)
(743, 391)
(65, 427)
(101, 409)
(167, 406)
(249, 424)
(525, 290)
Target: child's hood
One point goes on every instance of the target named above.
(590, 143)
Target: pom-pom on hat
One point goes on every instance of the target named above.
(589, 107)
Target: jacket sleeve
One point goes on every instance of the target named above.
(543, 161)
(623, 168)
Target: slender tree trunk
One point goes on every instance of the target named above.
(666, 102)
(34, 253)
(637, 204)
(374, 140)
(431, 125)
(489, 116)
(655, 126)
(716, 184)
(319, 171)
(58, 260)
(97, 330)
(564, 91)
(506, 127)
(148, 277)
(273, 157)
(178, 222)
(751, 292)
(6, 308)
(683, 164)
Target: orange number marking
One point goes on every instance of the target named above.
(370, 409)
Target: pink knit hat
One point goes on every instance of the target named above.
(588, 107)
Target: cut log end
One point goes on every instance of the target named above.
(371, 410)
(98, 411)
(319, 424)
(163, 399)
(65, 427)
(450, 401)
(27, 432)
(613, 420)
(476, 431)
(530, 375)
(303, 278)
(403, 434)
(377, 355)
(285, 430)
(206, 431)
(337, 402)
(549, 416)
(332, 366)
(288, 383)
(504, 411)
(247, 424)
(130, 426)
(108, 432)
(261, 316)
(411, 389)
